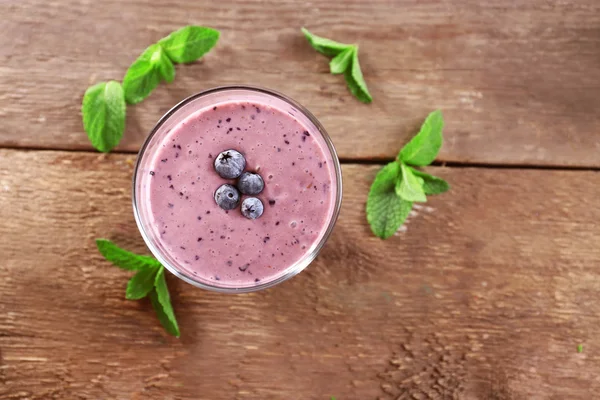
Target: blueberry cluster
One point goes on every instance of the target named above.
(230, 164)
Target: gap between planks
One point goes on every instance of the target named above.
(360, 161)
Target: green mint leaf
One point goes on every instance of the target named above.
(424, 147)
(409, 187)
(141, 284)
(144, 75)
(385, 210)
(189, 43)
(124, 259)
(325, 46)
(161, 301)
(341, 62)
(165, 66)
(103, 112)
(580, 348)
(431, 184)
(356, 81)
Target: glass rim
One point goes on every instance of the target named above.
(289, 272)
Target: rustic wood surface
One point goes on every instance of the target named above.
(485, 296)
(518, 80)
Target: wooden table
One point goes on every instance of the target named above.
(487, 293)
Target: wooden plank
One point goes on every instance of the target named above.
(485, 296)
(518, 81)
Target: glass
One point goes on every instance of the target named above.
(180, 112)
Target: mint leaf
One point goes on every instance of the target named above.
(580, 348)
(431, 184)
(341, 62)
(141, 284)
(355, 80)
(161, 301)
(385, 210)
(408, 187)
(124, 259)
(424, 147)
(103, 112)
(144, 75)
(325, 46)
(189, 43)
(165, 67)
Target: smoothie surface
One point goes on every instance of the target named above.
(223, 247)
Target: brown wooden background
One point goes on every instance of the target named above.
(485, 295)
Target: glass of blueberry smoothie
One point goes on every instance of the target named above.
(237, 189)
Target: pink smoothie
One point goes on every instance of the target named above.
(221, 247)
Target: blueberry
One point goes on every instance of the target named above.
(230, 164)
(227, 197)
(252, 208)
(250, 183)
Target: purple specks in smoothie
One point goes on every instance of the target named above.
(256, 280)
(279, 149)
(271, 202)
(179, 146)
(222, 237)
(277, 223)
(304, 138)
(257, 110)
(181, 193)
(199, 239)
(182, 247)
(293, 163)
(209, 155)
(217, 278)
(252, 117)
(266, 239)
(208, 212)
(171, 187)
(164, 160)
(169, 177)
(228, 120)
(199, 218)
(211, 231)
(170, 205)
(229, 263)
(220, 121)
(244, 267)
(152, 173)
(238, 128)
(190, 152)
(215, 108)
(320, 164)
(176, 155)
(196, 258)
(286, 141)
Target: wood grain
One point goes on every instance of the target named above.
(486, 295)
(518, 81)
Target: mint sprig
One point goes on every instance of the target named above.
(148, 281)
(144, 75)
(103, 107)
(345, 61)
(103, 113)
(399, 184)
